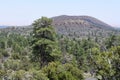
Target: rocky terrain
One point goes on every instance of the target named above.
(81, 26)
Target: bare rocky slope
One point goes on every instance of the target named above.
(81, 26)
(81, 21)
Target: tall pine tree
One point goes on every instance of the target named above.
(44, 42)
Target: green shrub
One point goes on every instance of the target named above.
(12, 64)
(4, 53)
(39, 75)
(2, 73)
(57, 71)
(18, 75)
(15, 56)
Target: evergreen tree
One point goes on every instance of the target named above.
(44, 42)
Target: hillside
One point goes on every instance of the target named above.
(73, 27)
(81, 26)
(81, 21)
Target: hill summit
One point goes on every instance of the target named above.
(80, 26)
(81, 21)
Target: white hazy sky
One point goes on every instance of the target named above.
(24, 12)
